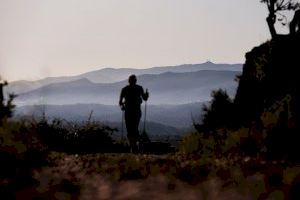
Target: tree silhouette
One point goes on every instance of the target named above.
(218, 113)
(6, 107)
(295, 23)
(276, 12)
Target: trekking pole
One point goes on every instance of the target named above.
(122, 126)
(145, 113)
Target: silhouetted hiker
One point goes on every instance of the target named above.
(131, 99)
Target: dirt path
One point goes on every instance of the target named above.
(127, 176)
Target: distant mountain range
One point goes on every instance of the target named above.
(111, 75)
(173, 93)
(165, 88)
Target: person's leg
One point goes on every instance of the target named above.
(132, 125)
(128, 123)
(136, 135)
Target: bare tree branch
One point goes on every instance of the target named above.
(275, 7)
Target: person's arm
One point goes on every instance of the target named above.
(145, 95)
(121, 98)
(121, 103)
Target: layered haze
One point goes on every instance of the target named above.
(177, 94)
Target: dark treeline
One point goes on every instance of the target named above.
(265, 111)
(265, 102)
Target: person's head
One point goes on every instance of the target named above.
(3, 83)
(132, 79)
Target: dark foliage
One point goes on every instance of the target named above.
(6, 107)
(75, 137)
(20, 151)
(263, 118)
(217, 114)
(268, 94)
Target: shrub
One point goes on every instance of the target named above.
(219, 113)
(196, 143)
(76, 137)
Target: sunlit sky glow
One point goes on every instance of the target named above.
(40, 38)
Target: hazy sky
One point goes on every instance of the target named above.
(40, 38)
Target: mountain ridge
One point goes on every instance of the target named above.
(110, 75)
(165, 88)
